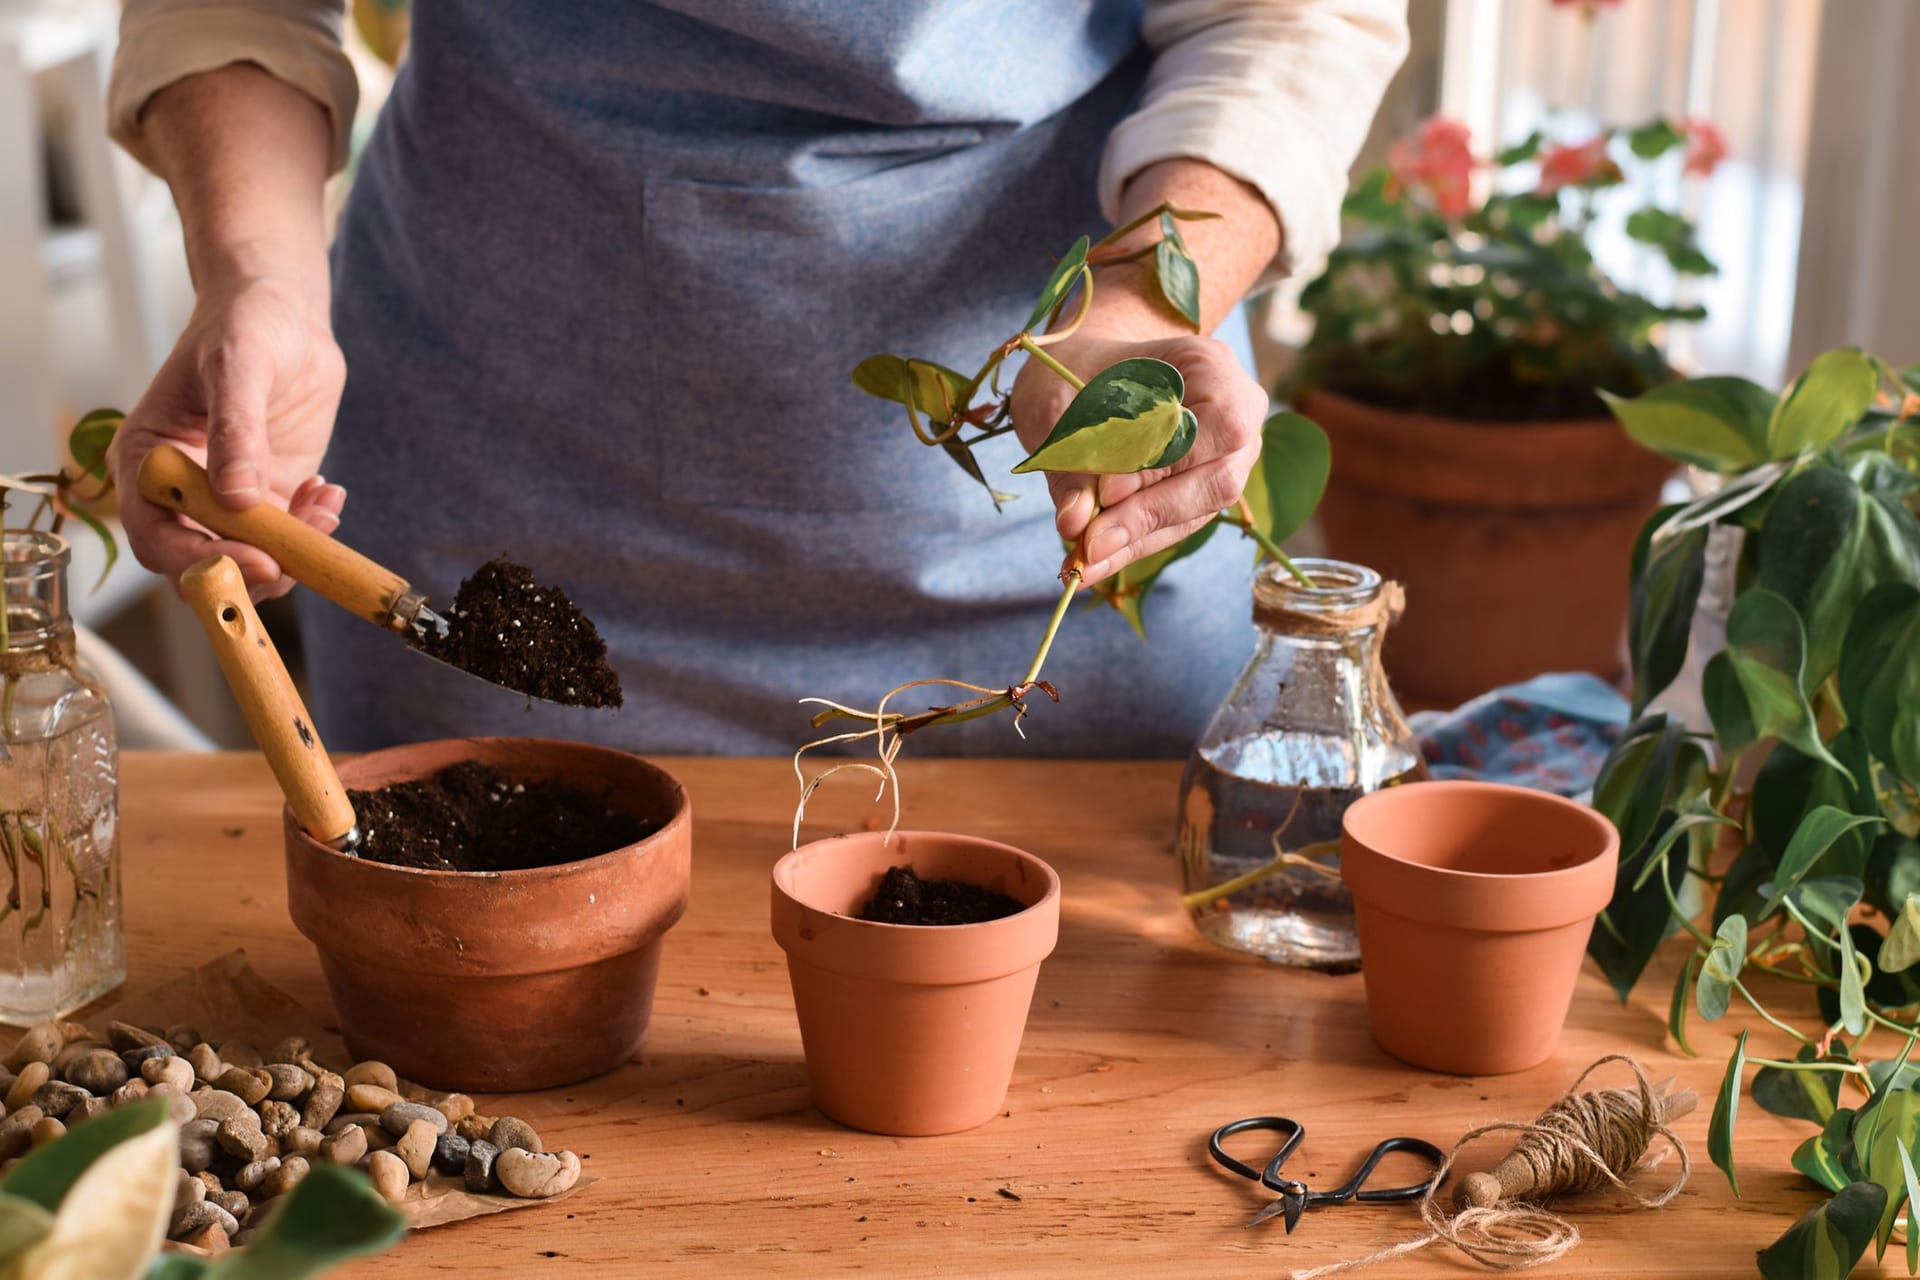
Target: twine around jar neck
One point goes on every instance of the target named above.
(1345, 598)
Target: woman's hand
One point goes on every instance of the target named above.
(250, 389)
(1146, 512)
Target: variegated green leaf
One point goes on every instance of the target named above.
(1820, 1157)
(1827, 399)
(1826, 1242)
(1901, 950)
(1721, 969)
(1060, 283)
(1910, 1185)
(1179, 276)
(1801, 1095)
(936, 391)
(1726, 1108)
(1881, 1134)
(1766, 647)
(1128, 418)
(1677, 1008)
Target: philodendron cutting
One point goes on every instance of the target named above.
(1128, 417)
(1812, 773)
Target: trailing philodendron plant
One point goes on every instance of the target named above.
(95, 1202)
(1128, 417)
(1808, 788)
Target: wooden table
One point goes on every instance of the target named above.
(1143, 1037)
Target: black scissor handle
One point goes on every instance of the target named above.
(1276, 1124)
(1352, 1189)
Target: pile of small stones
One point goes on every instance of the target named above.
(253, 1124)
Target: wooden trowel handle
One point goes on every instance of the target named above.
(265, 692)
(170, 479)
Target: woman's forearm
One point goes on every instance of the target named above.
(246, 156)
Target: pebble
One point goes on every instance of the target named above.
(302, 1140)
(57, 1097)
(286, 1082)
(198, 1145)
(217, 1104)
(177, 1072)
(238, 1053)
(194, 1215)
(454, 1106)
(250, 1083)
(294, 1049)
(212, 1238)
(210, 1181)
(389, 1174)
(74, 1051)
(100, 1071)
(132, 1058)
(179, 1105)
(45, 1130)
(510, 1132)
(130, 1092)
(339, 1123)
(89, 1109)
(378, 1074)
(16, 1131)
(234, 1202)
(187, 1190)
(278, 1119)
(346, 1146)
(27, 1083)
(415, 1147)
(243, 1139)
(479, 1167)
(284, 1179)
(252, 1176)
(39, 1043)
(182, 1037)
(475, 1127)
(534, 1175)
(401, 1116)
(370, 1097)
(124, 1036)
(323, 1104)
(450, 1154)
(206, 1063)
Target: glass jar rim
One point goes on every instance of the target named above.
(33, 550)
(1337, 584)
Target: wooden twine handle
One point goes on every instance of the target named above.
(265, 692)
(1513, 1177)
(170, 479)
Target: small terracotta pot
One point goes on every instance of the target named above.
(910, 1029)
(1512, 539)
(498, 981)
(1473, 901)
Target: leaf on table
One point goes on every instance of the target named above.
(1823, 402)
(1719, 423)
(1881, 1133)
(1721, 969)
(1128, 418)
(1802, 1095)
(1825, 1157)
(1766, 649)
(1829, 1238)
(1726, 1108)
(1880, 676)
(1066, 273)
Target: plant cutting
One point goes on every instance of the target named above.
(1128, 417)
(1459, 349)
(1797, 816)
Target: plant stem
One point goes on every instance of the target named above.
(1039, 353)
(1850, 1068)
(1053, 627)
(1762, 1011)
(1673, 904)
(1246, 880)
(1243, 521)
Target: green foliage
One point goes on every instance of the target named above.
(332, 1216)
(1286, 484)
(1495, 310)
(1127, 418)
(1066, 274)
(1815, 706)
(58, 492)
(47, 1173)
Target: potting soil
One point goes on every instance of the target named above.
(506, 627)
(904, 898)
(469, 817)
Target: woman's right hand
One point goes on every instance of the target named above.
(250, 390)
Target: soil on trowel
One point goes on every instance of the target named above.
(508, 628)
(469, 817)
(904, 898)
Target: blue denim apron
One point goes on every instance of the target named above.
(602, 277)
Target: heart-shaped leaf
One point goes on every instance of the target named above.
(88, 440)
(1880, 676)
(1817, 833)
(936, 391)
(112, 1223)
(1829, 1238)
(1726, 1108)
(1717, 423)
(1823, 1158)
(1655, 138)
(1801, 1095)
(1881, 1133)
(1853, 987)
(1766, 649)
(1065, 275)
(1721, 969)
(1666, 593)
(1825, 400)
(1177, 272)
(1128, 418)
(1287, 482)
(1902, 948)
(1678, 1006)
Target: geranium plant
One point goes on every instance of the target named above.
(1808, 787)
(1493, 308)
(1127, 418)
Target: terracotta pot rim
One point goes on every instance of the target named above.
(1412, 416)
(783, 875)
(678, 819)
(1608, 846)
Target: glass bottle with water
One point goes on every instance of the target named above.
(1309, 727)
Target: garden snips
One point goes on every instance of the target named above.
(1295, 1196)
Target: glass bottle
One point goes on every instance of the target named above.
(61, 943)
(1309, 727)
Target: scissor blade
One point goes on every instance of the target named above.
(1289, 1205)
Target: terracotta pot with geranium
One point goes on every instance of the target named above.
(1464, 349)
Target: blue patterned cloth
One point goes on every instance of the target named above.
(1550, 733)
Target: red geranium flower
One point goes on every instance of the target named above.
(1706, 145)
(1564, 165)
(1438, 160)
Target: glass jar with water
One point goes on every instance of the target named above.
(1309, 727)
(60, 933)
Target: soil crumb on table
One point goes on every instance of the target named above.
(904, 898)
(469, 817)
(508, 628)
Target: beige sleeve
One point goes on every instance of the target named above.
(1278, 93)
(298, 41)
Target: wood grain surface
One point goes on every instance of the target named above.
(1143, 1038)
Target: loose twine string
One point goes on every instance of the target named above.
(1582, 1142)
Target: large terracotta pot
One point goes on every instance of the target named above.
(1473, 902)
(498, 981)
(1512, 539)
(910, 1029)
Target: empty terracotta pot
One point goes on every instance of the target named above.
(910, 1029)
(498, 981)
(1512, 540)
(1473, 901)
